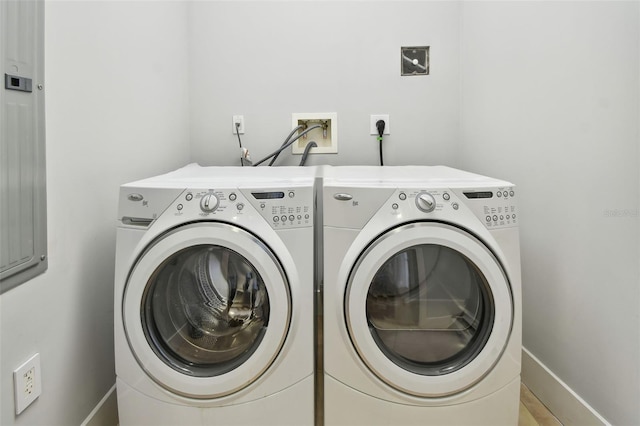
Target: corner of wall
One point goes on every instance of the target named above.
(560, 399)
(106, 412)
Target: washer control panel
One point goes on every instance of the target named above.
(284, 208)
(281, 208)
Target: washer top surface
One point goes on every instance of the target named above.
(194, 175)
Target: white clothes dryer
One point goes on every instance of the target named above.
(214, 291)
(422, 297)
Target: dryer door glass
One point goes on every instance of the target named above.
(430, 309)
(205, 310)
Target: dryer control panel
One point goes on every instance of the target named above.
(495, 207)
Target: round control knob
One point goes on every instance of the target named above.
(425, 202)
(209, 203)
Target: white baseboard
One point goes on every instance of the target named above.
(559, 398)
(106, 412)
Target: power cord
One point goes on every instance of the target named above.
(380, 126)
(244, 154)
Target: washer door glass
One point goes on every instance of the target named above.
(205, 310)
(430, 309)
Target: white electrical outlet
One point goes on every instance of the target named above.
(326, 136)
(27, 383)
(238, 119)
(374, 120)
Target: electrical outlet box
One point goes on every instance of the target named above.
(326, 136)
(238, 119)
(27, 382)
(414, 60)
(374, 119)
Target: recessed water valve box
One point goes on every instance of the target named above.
(325, 133)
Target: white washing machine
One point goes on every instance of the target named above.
(422, 297)
(214, 291)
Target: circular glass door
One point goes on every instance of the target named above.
(206, 309)
(429, 309)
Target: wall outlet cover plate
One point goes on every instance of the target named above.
(27, 383)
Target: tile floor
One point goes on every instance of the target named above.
(533, 412)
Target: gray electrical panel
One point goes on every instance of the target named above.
(23, 219)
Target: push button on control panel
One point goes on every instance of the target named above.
(499, 209)
(284, 208)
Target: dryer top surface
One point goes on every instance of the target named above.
(418, 176)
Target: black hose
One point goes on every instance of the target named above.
(288, 144)
(305, 154)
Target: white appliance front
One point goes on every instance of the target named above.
(421, 298)
(214, 297)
